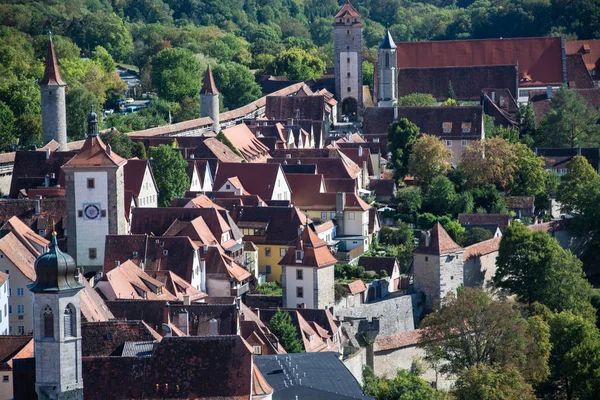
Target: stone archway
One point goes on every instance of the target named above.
(350, 108)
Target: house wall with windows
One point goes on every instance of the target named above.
(269, 256)
(300, 287)
(148, 193)
(281, 191)
(20, 299)
(4, 290)
(356, 223)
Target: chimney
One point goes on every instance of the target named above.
(182, 321)
(47, 181)
(290, 122)
(37, 207)
(192, 156)
(340, 204)
(47, 154)
(186, 299)
(395, 113)
(360, 151)
(298, 162)
(549, 92)
(108, 149)
(213, 327)
(427, 238)
(117, 264)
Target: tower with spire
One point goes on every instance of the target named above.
(387, 83)
(52, 88)
(57, 326)
(347, 42)
(94, 180)
(209, 100)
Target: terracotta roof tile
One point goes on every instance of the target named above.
(18, 254)
(589, 50)
(244, 140)
(12, 347)
(357, 286)
(282, 223)
(208, 85)
(51, 71)
(3, 278)
(134, 175)
(526, 202)
(578, 75)
(177, 285)
(482, 248)
(398, 340)
(347, 11)
(439, 243)
(93, 308)
(315, 252)
(93, 154)
(383, 187)
(296, 107)
(106, 338)
(165, 130)
(258, 179)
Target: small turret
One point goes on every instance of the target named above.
(92, 123)
(209, 100)
(387, 83)
(52, 88)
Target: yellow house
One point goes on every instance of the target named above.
(271, 229)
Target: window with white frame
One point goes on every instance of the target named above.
(350, 215)
(282, 252)
(324, 215)
(332, 215)
(258, 350)
(466, 127)
(448, 143)
(463, 143)
(20, 291)
(20, 309)
(21, 329)
(267, 252)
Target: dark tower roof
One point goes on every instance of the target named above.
(51, 71)
(439, 242)
(55, 271)
(387, 43)
(208, 86)
(347, 11)
(92, 123)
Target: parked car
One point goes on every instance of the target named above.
(129, 100)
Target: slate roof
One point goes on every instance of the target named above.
(258, 179)
(429, 120)
(315, 252)
(539, 58)
(31, 168)
(520, 202)
(440, 242)
(500, 220)
(14, 347)
(326, 377)
(51, 71)
(103, 339)
(387, 43)
(207, 368)
(93, 154)
(467, 81)
(296, 107)
(578, 75)
(383, 187)
(376, 264)
(208, 85)
(282, 223)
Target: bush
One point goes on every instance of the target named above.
(341, 291)
(383, 273)
(426, 221)
(272, 288)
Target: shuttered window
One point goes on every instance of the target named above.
(69, 322)
(48, 319)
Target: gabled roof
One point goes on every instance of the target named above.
(376, 264)
(296, 107)
(539, 58)
(482, 248)
(134, 173)
(387, 43)
(177, 285)
(211, 148)
(315, 252)
(282, 223)
(94, 342)
(589, 50)
(51, 72)
(383, 187)
(305, 182)
(12, 347)
(27, 236)
(93, 154)
(327, 201)
(201, 201)
(439, 242)
(347, 11)
(244, 140)
(219, 265)
(258, 179)
(13, 249)
(578, 75)
(513, 202)
(208, 85)
(500, 220)
(93, 308)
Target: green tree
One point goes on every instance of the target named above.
(526, 118)
(472, 329)
(492, 383)
(441, 196)
(139, 151)
(225, 140)
(488, 198)
(107, 30)
(426, 221)
(575, 356)
(175, 74)
(368, 70)
(119, 142)
(529, 177)
(579, 174)
(416, 100)
(404, 386)
(24, 100)
(170, 173)
(454, 229)
(533, 266)
(451, 94)
(429, 158)
(7, 128)
(236, 84)
(79, 99)
(475, 235)
(104, 59)
(282, 327)
(497, 167)
(409, 201)
(570, 122)
(402, 134)
(297, 64)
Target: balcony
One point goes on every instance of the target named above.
(240, 290)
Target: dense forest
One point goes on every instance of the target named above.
(283, 37)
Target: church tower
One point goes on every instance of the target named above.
(52, 88)
(347, 42)
(95, 199)
(387, 70)
(209, 100)
(57, 326)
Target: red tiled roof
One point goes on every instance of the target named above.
(315, 251)
(208, 85)
(179, 127)
(27, 236)
(12, 347)
(357, 286)
(177, 285)
(578, 75)
(257, 178)
(589, 50)
(94, 154)
(134, 175)
(260, 386)
(244, 140)
(311, 183)
(383, 187)
(522, 202)
(439, 243)
(296, 107)
(93, 308)
(539, 58)
(51, 71)
(482, 248)
(398, 340)
(3, 278)
(18, 254)
(201, 201)
(347, 11)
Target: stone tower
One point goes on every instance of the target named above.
(209, 100)
(57, 326)
(52, 87)
(437, 265)
(347, 41)
(95, 199)
(387, 83)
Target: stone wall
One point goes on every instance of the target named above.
(478, 271)
(263, 301)
(426, 276)
(325, 287)
(355, 363)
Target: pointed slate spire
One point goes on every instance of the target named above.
(387, 43)
(208, 86)
(51, 71)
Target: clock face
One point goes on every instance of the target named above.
(91, 211)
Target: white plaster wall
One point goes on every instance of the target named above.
(17, 280)
(196, 183)
(291, 283)
(91, 233)
(197, 272)
(4, 308)
(355, 364)
(148, 197)
(359, 225)
(207, 184)
(282, 189)
(350, 81)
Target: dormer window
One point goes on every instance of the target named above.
(466, 127)
(299, 256)
(447, 127)
(311, 338)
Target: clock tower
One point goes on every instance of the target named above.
(95, 199)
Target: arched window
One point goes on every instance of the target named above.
(387, 60)
(48, 321)
(70, 317)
